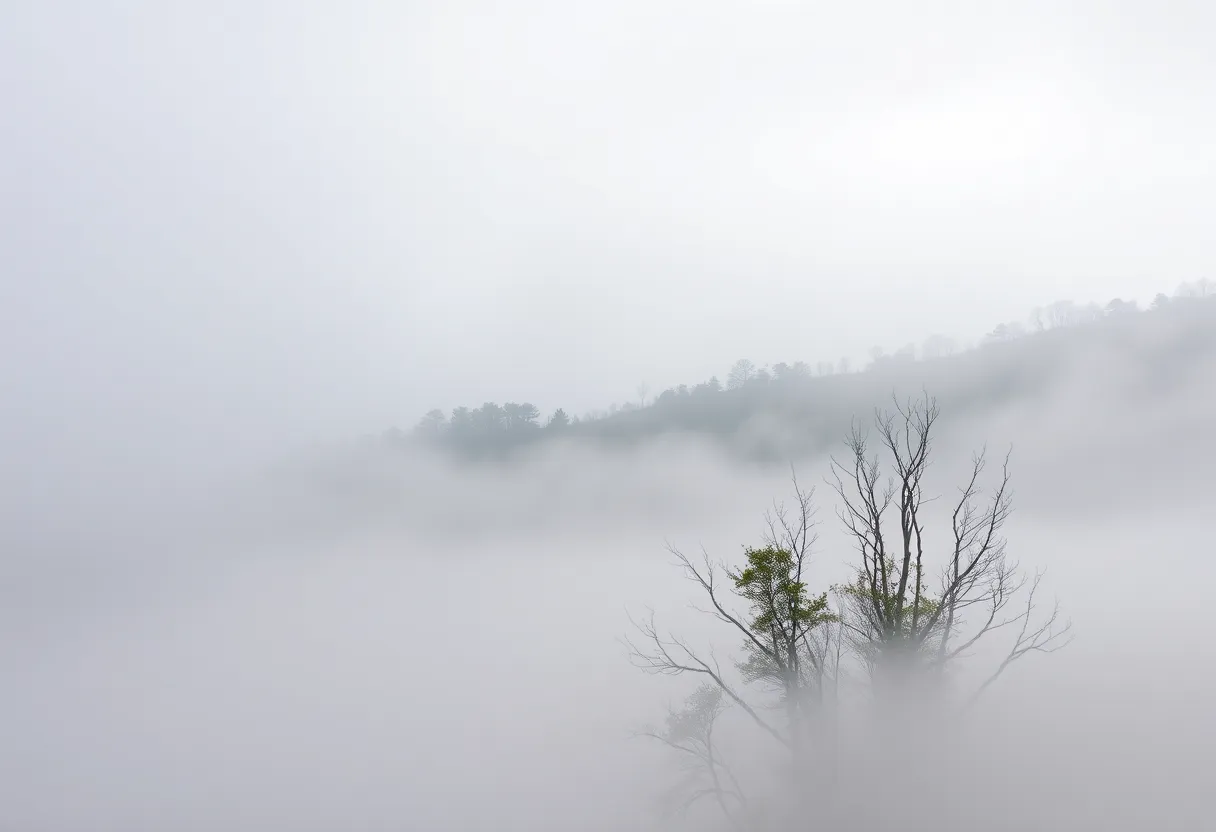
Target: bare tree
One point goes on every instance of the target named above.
(740, 374)
(903, 618)
(897, 623)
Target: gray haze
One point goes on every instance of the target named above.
(460, 670)
(233, 232)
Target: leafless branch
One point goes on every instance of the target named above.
(1046, 636)
(690, 731)
(794, 529)
(671, 656)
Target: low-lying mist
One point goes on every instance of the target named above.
(378, 641)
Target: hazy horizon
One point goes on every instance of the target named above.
(354, 216)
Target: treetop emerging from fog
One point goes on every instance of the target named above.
(880, 649)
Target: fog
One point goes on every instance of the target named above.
(238, 237)
(466, 672)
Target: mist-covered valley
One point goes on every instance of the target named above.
(720, 416)
(404, 639)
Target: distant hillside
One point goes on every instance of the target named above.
(786, 410)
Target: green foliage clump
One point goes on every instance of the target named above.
(780, 601)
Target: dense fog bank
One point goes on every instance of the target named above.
(403, 642)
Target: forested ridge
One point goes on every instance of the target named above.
(749, 407)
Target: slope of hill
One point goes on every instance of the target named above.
(1110, 415)
(787, 412)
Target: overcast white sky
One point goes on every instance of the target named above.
(225, 223)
